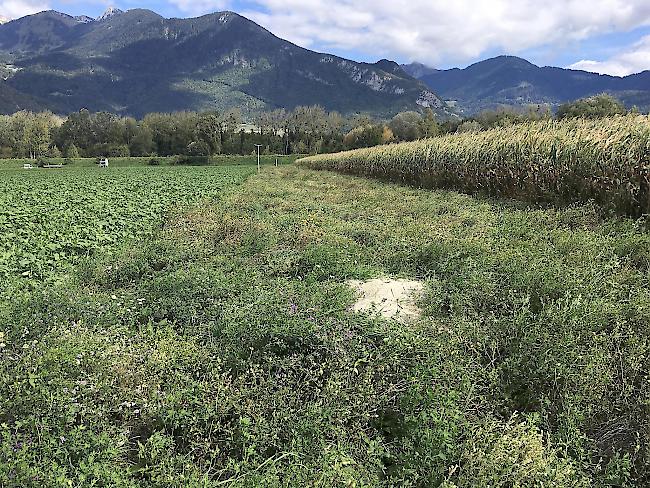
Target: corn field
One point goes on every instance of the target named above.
(605, 160)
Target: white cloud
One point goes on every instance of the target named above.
(429, 30)
(632, 60)
(435, 30)
(199, 7)
(13, 9)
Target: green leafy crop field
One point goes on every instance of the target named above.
(51, 218)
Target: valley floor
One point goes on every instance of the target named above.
(222, 352)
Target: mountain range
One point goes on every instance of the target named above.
(514, 82)
(136, 62)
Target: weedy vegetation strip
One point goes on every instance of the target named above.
(567, 161)
(220, 350)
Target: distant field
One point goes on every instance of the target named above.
(226, 160)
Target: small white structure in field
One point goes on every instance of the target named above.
(103, 163)
(27, 166)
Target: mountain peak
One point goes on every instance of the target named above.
(389, 66)
(506, 60)
(226, 16)
(84, 19)
(48, 13)
(110, 12)
(418, 70)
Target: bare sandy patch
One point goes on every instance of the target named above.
(392, 299)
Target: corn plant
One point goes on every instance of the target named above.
(566, 161)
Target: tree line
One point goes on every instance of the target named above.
(594, 107)
(304, 130)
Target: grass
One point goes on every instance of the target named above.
(221, 353)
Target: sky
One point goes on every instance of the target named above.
(603, 36)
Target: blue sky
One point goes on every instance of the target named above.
(607, 36)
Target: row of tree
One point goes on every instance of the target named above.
(594, 107)
(301, 131)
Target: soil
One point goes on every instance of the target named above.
(392, 299)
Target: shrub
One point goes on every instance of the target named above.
(118, 151)
(596, 107)
(367, 136)
(198, 148)
(513, 454)
(54, 152)
(469, 126)
(72, 152)
(406, 126)
(192, 160)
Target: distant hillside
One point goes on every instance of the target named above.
(512, 81)
(12, 101)
(418, 70)
(136, 62)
